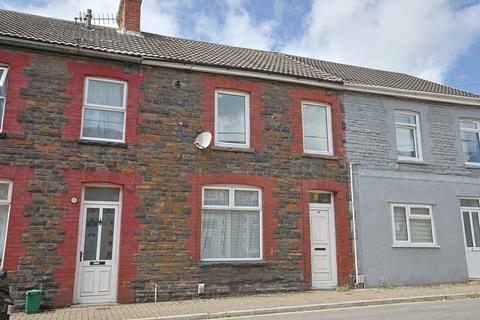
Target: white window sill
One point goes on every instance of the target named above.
(419, 246)
(232, 263)
(472, 165)
(233, 149)
(411, 161)
(102, 143)
(319, 156)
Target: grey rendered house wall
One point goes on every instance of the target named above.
(380, 179)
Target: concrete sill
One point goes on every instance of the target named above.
(102, 143)
(319, 156)
(3, 135)
(472, 165)
(233, 149)
(412, 246)
(245, 263)
(417, 162)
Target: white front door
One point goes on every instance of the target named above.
(97, 260)
(322, 243)
(471, 225)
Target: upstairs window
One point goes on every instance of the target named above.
(5, 199)
(470, 132)
(231, 223)
(408, 135)
(3, 93)
(317, 129)
(412, 225)
(232, 119)
(104, 110)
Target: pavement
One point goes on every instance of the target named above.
(261, 304)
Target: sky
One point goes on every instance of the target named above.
(438, 40)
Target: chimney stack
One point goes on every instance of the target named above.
(128, 16)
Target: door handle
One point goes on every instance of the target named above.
(81, 255)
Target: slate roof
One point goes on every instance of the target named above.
(147, 45)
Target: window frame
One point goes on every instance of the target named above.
(247, 119)
(328, 108)
(417, 134)
(3, 82)
(7, 202)
(409, 216)
(104, 107)
(231, 206)
(477, 131)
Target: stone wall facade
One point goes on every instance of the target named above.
(162, 174)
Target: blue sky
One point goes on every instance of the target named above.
(434, 39)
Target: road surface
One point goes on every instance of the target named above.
(468, 309)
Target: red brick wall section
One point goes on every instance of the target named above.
(336, 104)
(75, 90)
(254, 89)
(195, 202)
(65, 274)
(18, 223)
(342, 227)
(16, 81)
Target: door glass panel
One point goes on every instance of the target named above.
(476, 228)
(106, 242)
(400, 224)
(91, 234)
(468, 229)
(317, 197)
(102, 194)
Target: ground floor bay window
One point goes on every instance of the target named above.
(231, 223)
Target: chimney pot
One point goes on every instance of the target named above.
(128, 16)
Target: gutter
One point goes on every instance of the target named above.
(392, 92)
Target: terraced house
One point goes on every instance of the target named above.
(105, 198)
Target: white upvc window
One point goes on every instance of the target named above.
(5, 200)
(413, 225)
(232, 119)
(470, 132)
(231, 223)
(317, 128)
(3, 93)
(407, 126)
(104, 110)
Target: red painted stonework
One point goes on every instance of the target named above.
(342, 227)
(195, 202)
(336, 102)
(18, 223)
(65, 274)
(75, 90)
(254, 89)
(16, 81)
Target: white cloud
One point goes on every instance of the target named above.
(158, 16)
(236, 27)
(423, 38)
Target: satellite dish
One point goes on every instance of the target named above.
(203, 140)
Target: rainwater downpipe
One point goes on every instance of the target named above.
(354, 223)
